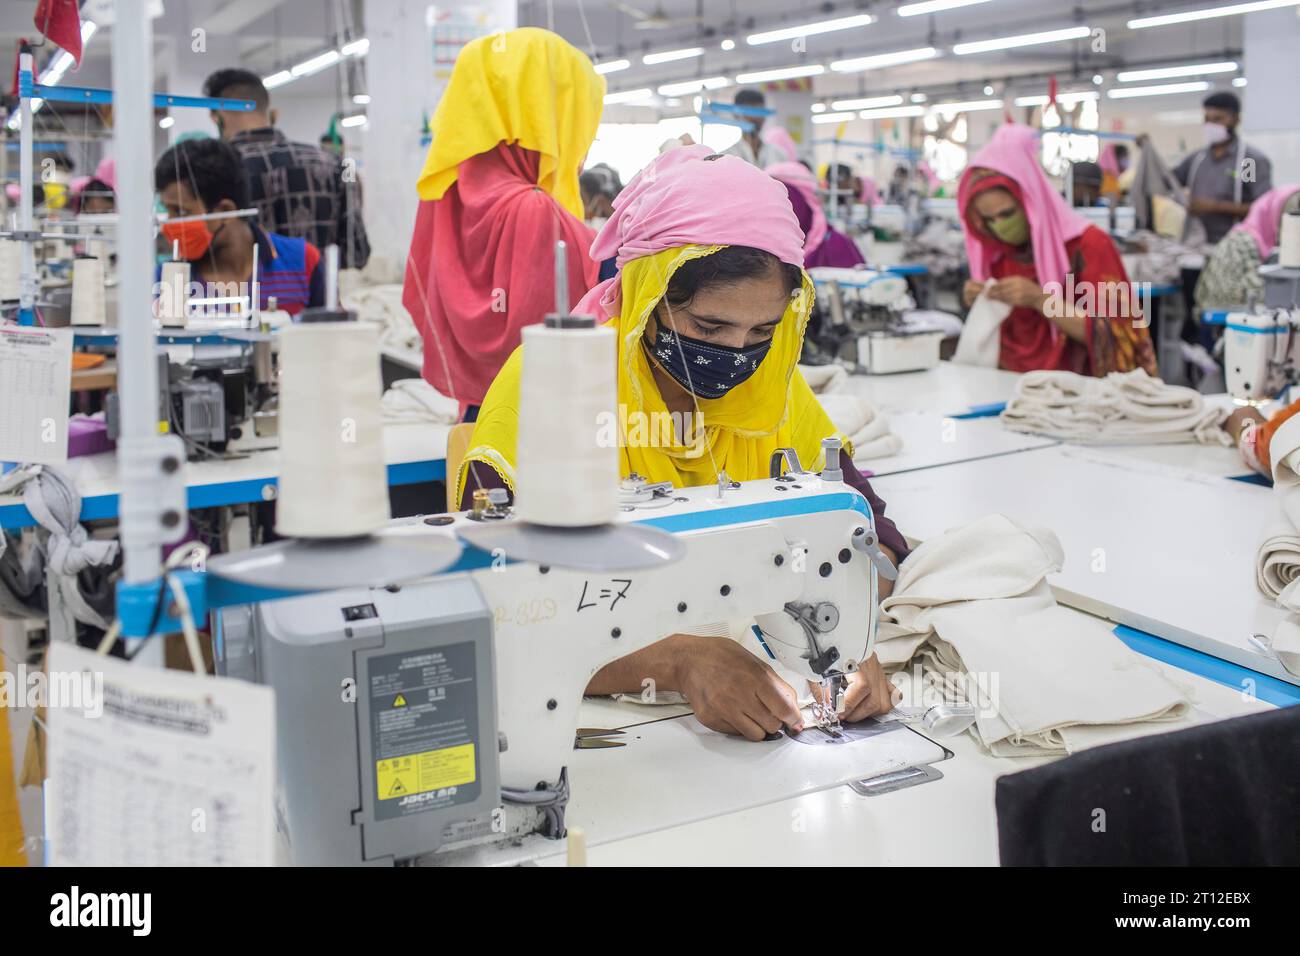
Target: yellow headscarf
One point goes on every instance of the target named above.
(774, 408)
(527, 86)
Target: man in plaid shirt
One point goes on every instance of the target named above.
(298, 189)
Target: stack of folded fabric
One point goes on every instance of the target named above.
(382, 304)
(1122, 408)
(865, 427)
(973, 608)
(415, 400)
(1277, 571)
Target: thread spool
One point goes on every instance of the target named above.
(11, 267)
(568, 449)
(1289, 242)
(333, 480)
(174, 296)
(88, 292)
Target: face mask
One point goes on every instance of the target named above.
(710, 371)
(1014, 230)
(193, 237)
(1216, 133)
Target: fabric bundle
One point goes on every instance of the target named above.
(1277, 566)
(867, 429)
(980, 342)
(415, 400)
(824, 378)
(382, 304)
(973, 608)
(1122, 408)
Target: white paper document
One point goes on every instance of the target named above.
(35, 389)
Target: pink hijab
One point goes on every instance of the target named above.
(1013, 152)
(1109, 160)
(693, 196)
(799, 178)
(779, 138)
(1265, 218)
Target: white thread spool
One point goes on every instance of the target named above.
(333, 480)
(174, 296)
(11, 269)
(1289, 242)
(88, 292)
(568, 465)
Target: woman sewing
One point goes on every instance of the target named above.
(823, 245)
(499, 187)
(710, 303)
(1073, 308)
(1231, 277)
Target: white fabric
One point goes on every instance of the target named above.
(415, 400)
(866, 428)
(382, 304)
(973, 606)
(980, 342)
(1277, 566)
(825, 378)
(1122, 408)
(1284, 453)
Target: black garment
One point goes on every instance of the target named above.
(300, 191)
(484, 476)
(1221, 794)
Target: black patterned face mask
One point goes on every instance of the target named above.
(710, 371)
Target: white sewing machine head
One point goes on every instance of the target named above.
(1261, 353)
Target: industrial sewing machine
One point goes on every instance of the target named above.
(858, 318)
(1262, 343)
(434, 722)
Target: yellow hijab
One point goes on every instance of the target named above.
(773, 408)
(527, 86)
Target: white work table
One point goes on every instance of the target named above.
(413, 451)
(931, 439)
(948, 389)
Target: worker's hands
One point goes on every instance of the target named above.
(867, 692)
(1240, 420)
(970, 291)
(1020, 292)
(731, 690)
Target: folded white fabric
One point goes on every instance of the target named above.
(980, 342)
(1277, 567)
(415, 400)
(866, 428)
(1284, 453)
(973, 606)
(382, 304)
(824, 378)
(1122, 408)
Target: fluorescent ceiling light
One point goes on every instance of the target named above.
(277, 79)
(361, 99)
(612, 66)
(819, 107)
(1209, 13)
(810, 29)
(789, 73)
(894, 112)
(728, 44)
(315, 64)
(629, 96)
(933, 6)
(1041, 100)
(1023, 39)
(966, 106)
(834, 117)
(358, 120)
(668, 56)
(1169, 72)
(356, 48)
(918, 97)
(858, 64)
(1129, 92)
(1238, 81)
(694, 86)
(167, 122)
(870, 102)
(88, 29)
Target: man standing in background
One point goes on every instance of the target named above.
(298, 189)
(750, 147)
(1226, 176)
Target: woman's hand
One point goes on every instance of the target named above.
(731, 690)
(1020, 292)
(867, 692)
(970, 291)
(1240, 420)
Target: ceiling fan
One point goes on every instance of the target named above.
(657, 19)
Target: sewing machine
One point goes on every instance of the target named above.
(1261, 344)
(433, 722)
(858, 318)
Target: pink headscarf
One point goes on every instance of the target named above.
(1013, 152)
(106, 172)
(798, 177)
(869, 194)
(693, 196)
(1265, 218)
(1109, 161)
(779, 138)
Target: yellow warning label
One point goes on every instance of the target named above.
(422, 772)
(400, 701)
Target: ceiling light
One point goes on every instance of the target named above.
(1063, 98)
(1169, 72)
(668, 56)
(361, 99)
(315, 64)
(1098, 79)
(1128, 92)
(819, 107)
(835, 117)
(893, 112)
(966, 106)
(277, 79)
(356, 48)
(358, 120)
(1238, 81)
(1023, 39)
(933, 6)
(629, 96)
(694, 86)
(728, 44)
(1209, 13)
(918, 97)
(810, 29)
(866, 104)
(167, 122)
(789, 73)
(611, 66)
(860, 63)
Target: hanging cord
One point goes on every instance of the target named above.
(182, 555)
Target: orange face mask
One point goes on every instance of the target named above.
(193, 237)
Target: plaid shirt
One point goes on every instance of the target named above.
(299, 191)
